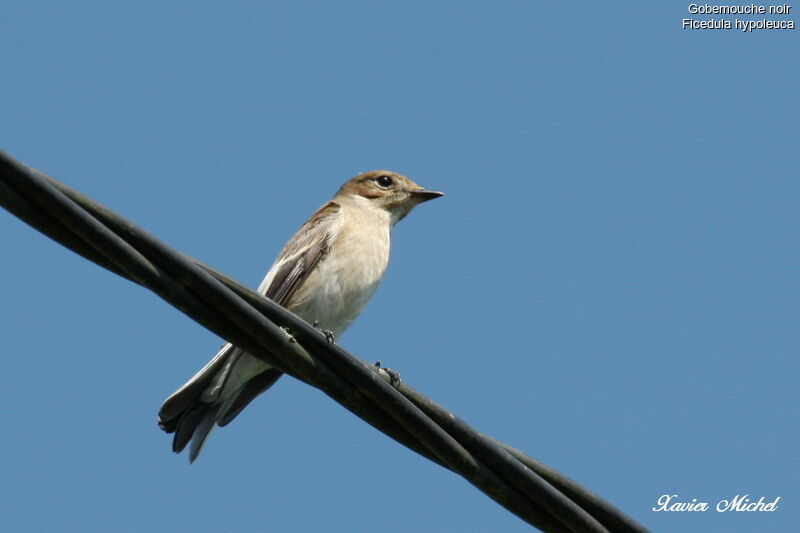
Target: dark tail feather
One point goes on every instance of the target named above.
(185, 400)
(202, 431)
(185, 426)
(192, 411)
(198, 419)
(194, 426)
(252, 388)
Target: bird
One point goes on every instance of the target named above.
(326, 273)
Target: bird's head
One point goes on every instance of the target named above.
(387, 190)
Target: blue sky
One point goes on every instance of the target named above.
(610, 284)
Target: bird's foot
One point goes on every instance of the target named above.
(394, 376)
(329, 336)
(288, 333)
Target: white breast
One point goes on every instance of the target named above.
(342, 283)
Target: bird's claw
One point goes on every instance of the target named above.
(329, 336)
(288, 334)
(394, 376)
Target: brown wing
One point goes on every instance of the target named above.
(303, 251)
(300, 255)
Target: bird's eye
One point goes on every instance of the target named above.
(384, 181)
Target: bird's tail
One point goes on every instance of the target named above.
(195, 428)
(213, 396)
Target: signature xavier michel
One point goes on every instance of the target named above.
(740, 502)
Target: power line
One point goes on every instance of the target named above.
(534, 492)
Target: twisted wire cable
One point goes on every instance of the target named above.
(537, 494)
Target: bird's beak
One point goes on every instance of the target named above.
(423, 195)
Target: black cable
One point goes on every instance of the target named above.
(534, 492)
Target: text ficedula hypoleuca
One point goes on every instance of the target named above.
(326, 274)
